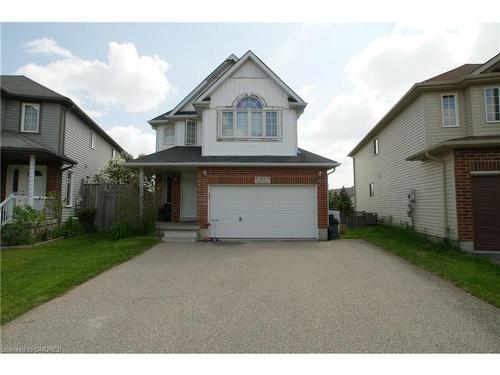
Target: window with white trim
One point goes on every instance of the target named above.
(249, 119)
(113, 153)
(372, 189)
(30, 117)
(190, 132)
(449, 110)
(92, 140)
(375, 146)
(69, 189)
(169, 135)
(492, 104)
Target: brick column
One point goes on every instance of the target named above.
(54, 179)
(202, 199)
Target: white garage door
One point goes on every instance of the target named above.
(263, 211)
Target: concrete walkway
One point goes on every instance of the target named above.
(340, 296)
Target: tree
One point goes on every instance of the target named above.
(116, 173)
(340, 201)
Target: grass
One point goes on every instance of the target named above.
(33, 275)
(477, 276)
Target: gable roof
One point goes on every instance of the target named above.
(191, 156)
(249, 55)
(461, 76)
(22, 87)
(224, 66)
(225, 70)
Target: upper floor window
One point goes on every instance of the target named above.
(449, 108)
(92, 139)
(249, 119)
(190, 132)
(372, 189)
(169, 135)
(492, 102)
(30, 117)
(113, 153)
(375, 146)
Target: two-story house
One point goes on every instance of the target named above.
(433, 161)
(227, 158)
(49, 146)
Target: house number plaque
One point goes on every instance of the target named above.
(262, 180)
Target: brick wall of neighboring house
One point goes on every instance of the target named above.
(465, 162)
(246, 176)
(54, 179)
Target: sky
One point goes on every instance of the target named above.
(123, 74)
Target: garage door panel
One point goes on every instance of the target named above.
(253, 211)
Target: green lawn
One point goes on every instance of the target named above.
(477, 276)
(33, 275)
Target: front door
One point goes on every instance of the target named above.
(188, 196)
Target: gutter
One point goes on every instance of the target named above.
(230, 164)
(444, 197)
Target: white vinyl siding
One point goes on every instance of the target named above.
(30, 117)
(449, 108)
(477, 108)
(263, 211)
(393, 176)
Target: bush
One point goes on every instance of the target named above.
(126, 229)
(69, 229)
(16, 234)
(86, 217)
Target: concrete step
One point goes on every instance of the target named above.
(183, 235)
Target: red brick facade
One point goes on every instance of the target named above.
(54, 181)
(465, 162)
(246, 176)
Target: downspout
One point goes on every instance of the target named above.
(445, 205)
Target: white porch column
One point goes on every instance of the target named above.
(141, 192)
(31, 180)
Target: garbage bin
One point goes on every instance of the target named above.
(333, 229)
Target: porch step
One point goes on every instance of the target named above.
(180, 235)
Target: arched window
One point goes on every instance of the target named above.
(249, 102)
(249, 119)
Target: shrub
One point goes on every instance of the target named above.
(16, 234)
(86, 217)
(126, 229)
(69, 229)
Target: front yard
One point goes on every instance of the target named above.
(477, 276)
(33, 275)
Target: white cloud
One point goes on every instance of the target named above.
(381, 73)
(133, 139)
(47, 46)
(307, 92)
(126, 80)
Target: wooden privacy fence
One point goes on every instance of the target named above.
(114, 203)
(358, 219)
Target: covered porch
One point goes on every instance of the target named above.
(30, 175)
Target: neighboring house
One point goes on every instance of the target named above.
(48, 146)
(227, 158)
(441, 144)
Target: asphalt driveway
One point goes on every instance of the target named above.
(340, 296)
